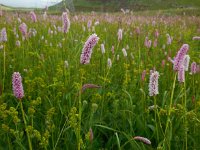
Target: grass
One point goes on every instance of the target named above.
(55, 114)
(140, 5)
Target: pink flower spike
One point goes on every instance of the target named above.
(87, 49)
(142, 139)
(181, 74)
(153, 83)
(179, 59)
(66, 22)
(193, 68)
(17, 85)
(33, 16)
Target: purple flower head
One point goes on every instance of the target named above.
(193, 68)
(186, 62)
(23, 29)
(153, 83)
(181, 74)
(142, 139)
(3, 37)
(66, 22)
(119, 34)
(196, 38)
(155, 43)
(169, 40)
(87, 49)
(109, 62)
(124, 52)
(33, 16)
(102, 49)
(156, 33)
(89, 24)
(17, 85)
(146, 41)
(179, 59)
(143, 75)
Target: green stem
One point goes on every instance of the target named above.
(23, 115)
(155, 113)
(79, 117)
(170, 106)
(185, 118)
(4, 67)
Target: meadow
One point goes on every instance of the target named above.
(126, 94)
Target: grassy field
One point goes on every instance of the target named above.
(103, 104)
(116, 5)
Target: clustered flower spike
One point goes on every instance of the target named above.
(193, 68)
(179, 59)
(33, 16)
(17, 85)
(3, 37)
(23, 29)
(124, 52)
(186, 62)
(142, 139)
(87, 49)
(119, 34)
(181, 74)
(153, 83)
(66, 22)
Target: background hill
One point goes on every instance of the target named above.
(116, 5)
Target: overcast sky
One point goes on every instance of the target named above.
(29, 3)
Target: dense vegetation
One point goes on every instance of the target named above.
(104, 104)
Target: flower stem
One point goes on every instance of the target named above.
(23, 115)
(4, 67)
(170, 106)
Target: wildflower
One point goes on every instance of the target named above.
(179, 59)
(153, 83)
(181, 74)
(87, 49)
(91, 135)
(132, 56)
(89, 86)
(156, 33)
(33, 16)
(155, 43)
(66, 22)
(66, 64)
(169, 40)
(143, 75)
(102, 49)
(193, 68)
(118, 57)
(186, 62)
(196, 38)
(1, 47)
(119, 34)
(146, 41)
(124, 52)
(45, 15)
(163, 63)
(113, 49)
(142, 139)
(19, 20)
(89, 24)
(17, 85)
(23, 29)
(137, 30)
(3, 37)
(109, 63)
(18, 43)
(149, 44)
